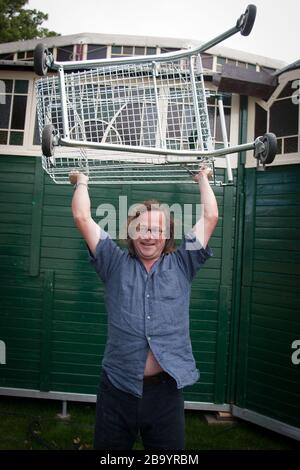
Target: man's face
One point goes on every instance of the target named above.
(150, 235)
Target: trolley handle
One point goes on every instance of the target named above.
(43, 59)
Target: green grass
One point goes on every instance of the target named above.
(33, 424)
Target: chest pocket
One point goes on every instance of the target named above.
(126, 297)
(169, 287)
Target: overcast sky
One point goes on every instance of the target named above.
(275, 33)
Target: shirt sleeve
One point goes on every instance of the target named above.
(191, 255)
(107, 257)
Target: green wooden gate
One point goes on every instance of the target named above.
(53, 318)
(268, 378)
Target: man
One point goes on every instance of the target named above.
(148, 357)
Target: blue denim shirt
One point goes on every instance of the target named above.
(148, 310)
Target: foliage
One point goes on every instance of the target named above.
(17, 23)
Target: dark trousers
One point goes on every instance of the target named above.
(158, 416)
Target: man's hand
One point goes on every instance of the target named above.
(208, 221)
(81, 209)
(77, 177)
(204, 172)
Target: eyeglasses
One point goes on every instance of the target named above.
(155, 231)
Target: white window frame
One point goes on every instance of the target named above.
(27, 149)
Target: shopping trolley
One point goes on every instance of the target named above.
(141, 119)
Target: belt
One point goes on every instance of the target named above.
(157, 378)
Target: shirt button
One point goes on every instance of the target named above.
(147, 296)
(148, 317)
(149, 338)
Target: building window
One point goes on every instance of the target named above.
(164, 50)
(122, 51)
(25, 55)
(150, 50)
(284, 120)
(7, 56)
(182, 117)
(65, 53)
(207, 61)
(268, 70)
(96, 51)
(261, 120)
(129, 51)
(214, 118)
(13, 101)
(220, 62)
(225, 60)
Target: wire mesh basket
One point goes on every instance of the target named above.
(147, 109)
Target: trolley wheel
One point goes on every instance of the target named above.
(270, 148)
(40, 56)
(48, 140)
(246, 22)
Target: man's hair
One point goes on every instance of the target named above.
(148, 206)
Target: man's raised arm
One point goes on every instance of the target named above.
(209, 218)
(81, 210)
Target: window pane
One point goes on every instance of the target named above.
(116, 50)
(139, 50)
(21, 55)
(279, 146)
(128, 50)
(219, 145)
(211, 100)
(267, 69)
(169, 49)
(96, 51)
(151, 50)
(221, 60)
(64, 53)
(6, 86)
(226, 100)
(7, 56)
(16, 138)
(207, 61)
(260, 121)
(19, 110)
(3, 137)
(5, 101)
(287, 91)
(288, 125)
(21, 86)
(291, 145)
